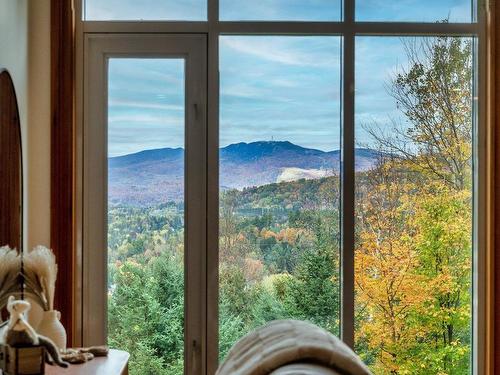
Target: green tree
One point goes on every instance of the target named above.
(428, 224)
(313, 293)
(435, 96)
(146, 315)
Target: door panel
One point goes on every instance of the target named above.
(144, 198)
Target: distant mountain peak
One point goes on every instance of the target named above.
(157, 176)
(282, 144)
(259, 149)
(153, 155)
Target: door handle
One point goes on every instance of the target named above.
(196, 111)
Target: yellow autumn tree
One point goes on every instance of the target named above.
(387, 285)
(414, 227)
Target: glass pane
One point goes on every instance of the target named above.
(414, 118)
(149, 10)
(279, 182)
(415, 10)
(146, 213)
(280, 10)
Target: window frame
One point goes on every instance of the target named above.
(348, 29)
(101, 48)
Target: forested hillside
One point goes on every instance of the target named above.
(153, 177)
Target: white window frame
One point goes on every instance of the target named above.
(101, 48)
(348, 28)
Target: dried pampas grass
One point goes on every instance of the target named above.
(40, 271)
(10, 265)
(33, 273)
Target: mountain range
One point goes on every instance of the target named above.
(157, 176)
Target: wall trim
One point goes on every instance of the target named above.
(62, 207)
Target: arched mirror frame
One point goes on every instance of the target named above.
(11, 172)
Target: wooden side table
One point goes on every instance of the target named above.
(116, 363)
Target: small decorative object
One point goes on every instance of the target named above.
(40, 264)
(51, 327)
(30, 276)
(17, 335)
(96, 351)
(10, 266)
(24, 282)
(35, 315)
(22, 361)
(39, 271)
(75, 357)
(82, 355)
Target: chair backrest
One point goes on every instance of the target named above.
(284, 343)
(304, 369)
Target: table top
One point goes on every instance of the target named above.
(116, 363)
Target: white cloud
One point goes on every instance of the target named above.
(282, 50)
(145, 118)
(241, 91)
(144, 105)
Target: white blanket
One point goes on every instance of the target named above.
(285, 342)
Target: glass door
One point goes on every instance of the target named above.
(144, 146)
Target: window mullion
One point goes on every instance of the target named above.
(212, 251)
(347, 178)
(213, 12)
(482, 149)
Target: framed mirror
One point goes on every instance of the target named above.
(11, 174)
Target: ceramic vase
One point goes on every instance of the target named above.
(51, 327)
(35, 314)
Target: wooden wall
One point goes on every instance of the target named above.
(493, 306)
(10, 166)
(62, 156)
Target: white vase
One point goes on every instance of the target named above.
(51, 327)
(35, 314)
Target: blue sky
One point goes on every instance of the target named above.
(272, 87)
(186, 10)
(265, 10)
(145, 104)
(281, 88)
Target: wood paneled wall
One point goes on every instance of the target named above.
(494, 90)
(10, 165)
(62, 234)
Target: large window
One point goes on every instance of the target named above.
(146, 211)
(279, 246)
(413, 250)
(251, 161)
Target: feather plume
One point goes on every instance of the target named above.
(40, 270)
(10, 265)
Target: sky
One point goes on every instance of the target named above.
(265, 10)
(271, 87)
(145, 104)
